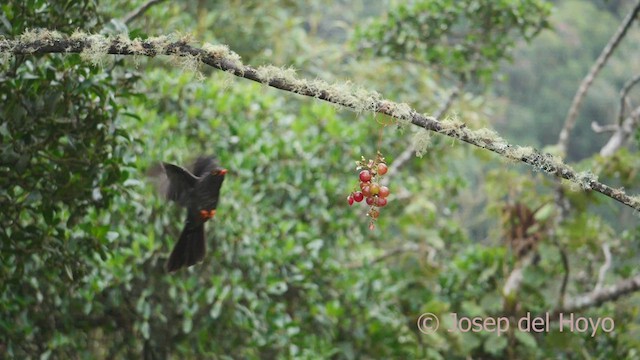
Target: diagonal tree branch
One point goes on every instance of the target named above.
(602, 295)
(570, 121)
(402, 159)
(139, 11)
(606, 249)
(95, 48)
(622, 133)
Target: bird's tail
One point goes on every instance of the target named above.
(189, 249)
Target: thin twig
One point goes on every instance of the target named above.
(599, 129)
(565, 277)
(221, 58)
(623, 96)
(139, 11)
(408, 151)
(622, 133)
(604, 268)
(569, 123)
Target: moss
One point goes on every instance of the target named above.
(452, 127)
(421, 142)
(5, 58)
(96, 50)
(30, 35)
(224, 53)
(78, 35)
(585, 178)
(520, 152)
(402, 112)
(635, 202)
(161, 43)
(189, 63)
(343, 94)
(269, 73)
(39, 36)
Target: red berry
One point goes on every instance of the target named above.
(365, 175)
(374, 189)
(357, 196)
(366, 191)
(380, 201)
(350, 199)
(370, 200)
(363, 184)
(384, 191)
(374, 213)
(382, 169)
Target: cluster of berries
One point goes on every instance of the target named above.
(374, 194)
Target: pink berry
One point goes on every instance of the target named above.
(370, 200)
(380, 201)
(350, 199)
(384, 191)
(382, 169)
(365, 175)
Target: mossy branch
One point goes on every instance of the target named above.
(95, 48)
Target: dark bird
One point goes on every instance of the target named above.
(198, 191)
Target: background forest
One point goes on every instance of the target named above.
(292, 271)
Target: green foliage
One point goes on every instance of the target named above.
(61, 159)
(291, 270)
(18, 15)
(465, 38)
(544, 77)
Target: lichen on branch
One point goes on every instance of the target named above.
(95, 48)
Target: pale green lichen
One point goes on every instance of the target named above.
(585, 178)
(190, 63)
(358, 99)
(160, 43)
(402, 112)
(96, 50)
(30, 35)
(269, 73)
(5, 58)
(39, 36)
(421, 142)
(78, 35)
(518, 153)
(453, 127)
(490, 139)
(123, 42)
(635, 201)
(224, 53)
(342, 94)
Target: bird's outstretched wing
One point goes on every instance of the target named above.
(204, 165)
(181, 182)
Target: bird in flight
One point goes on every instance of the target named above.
(198, 191)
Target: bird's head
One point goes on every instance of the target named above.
(219, 172)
